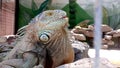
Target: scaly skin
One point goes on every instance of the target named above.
(47, 35)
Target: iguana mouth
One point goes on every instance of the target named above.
(64, 17)
(59, 18)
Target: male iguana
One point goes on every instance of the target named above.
(47, 37)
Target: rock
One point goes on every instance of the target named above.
(39, 66)
(6, 66)
(104, 44)
(108, 37)
(111, 43)
(79, 30)
(88, 63)
(118, 30)
(90, 27)
(75, 31)
(5, 48)
(106, 28)
(79, 37)
(78, 27)
(71, 38)
(82, 31)
(7, 44)
(84, 23)
(111, 32)
(86, 29)
(89, 33)
(11, 38)
(116, 42)
(104, 41)
(116, 35)
(2, 55)
(3, 39)
(104, 47)
(81, 49)
(12, 63)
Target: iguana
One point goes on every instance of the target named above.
(46, 36)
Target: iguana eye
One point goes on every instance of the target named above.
(44, 37)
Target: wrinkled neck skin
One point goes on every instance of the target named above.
(58, 40)
(58, 43)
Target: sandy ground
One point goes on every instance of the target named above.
(112, 55)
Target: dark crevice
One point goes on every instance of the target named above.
(16, 15)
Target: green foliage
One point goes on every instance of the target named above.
(26, 14)
(111, 15)
(90, 10)
(72, 11)
(114, 17)
(105, 15)
(114, 21)
(80, 15)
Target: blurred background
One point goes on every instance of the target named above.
(15, 14)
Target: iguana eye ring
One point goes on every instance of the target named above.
(44, 37)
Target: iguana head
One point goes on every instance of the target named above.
(50, 24)
(51, 18)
